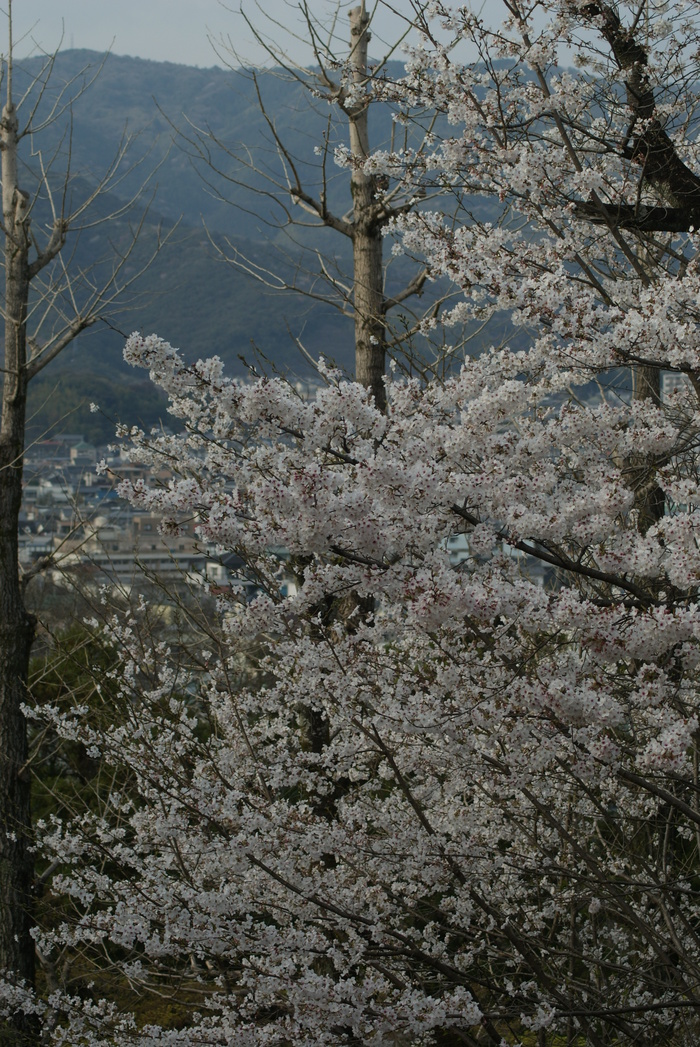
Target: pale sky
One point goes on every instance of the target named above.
(179, 30)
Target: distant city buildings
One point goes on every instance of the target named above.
(74, 521)
(672, 383)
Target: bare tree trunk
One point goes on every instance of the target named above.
(26, 255)
(374, 201)
(368, 291)
(16, 625)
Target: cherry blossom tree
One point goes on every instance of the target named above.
(496, 837)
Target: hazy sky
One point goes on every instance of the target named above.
(174, 30)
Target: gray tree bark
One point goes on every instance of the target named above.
(368, 278)
(16, 628)
(25, 256)
(16, 625)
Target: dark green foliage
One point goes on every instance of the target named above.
(61, 403)
(72, 672)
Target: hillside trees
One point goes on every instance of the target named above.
(497, 841)
(44, 308)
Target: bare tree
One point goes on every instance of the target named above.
(301, 199)
(44, 308)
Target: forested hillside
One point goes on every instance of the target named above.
(190, 294)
